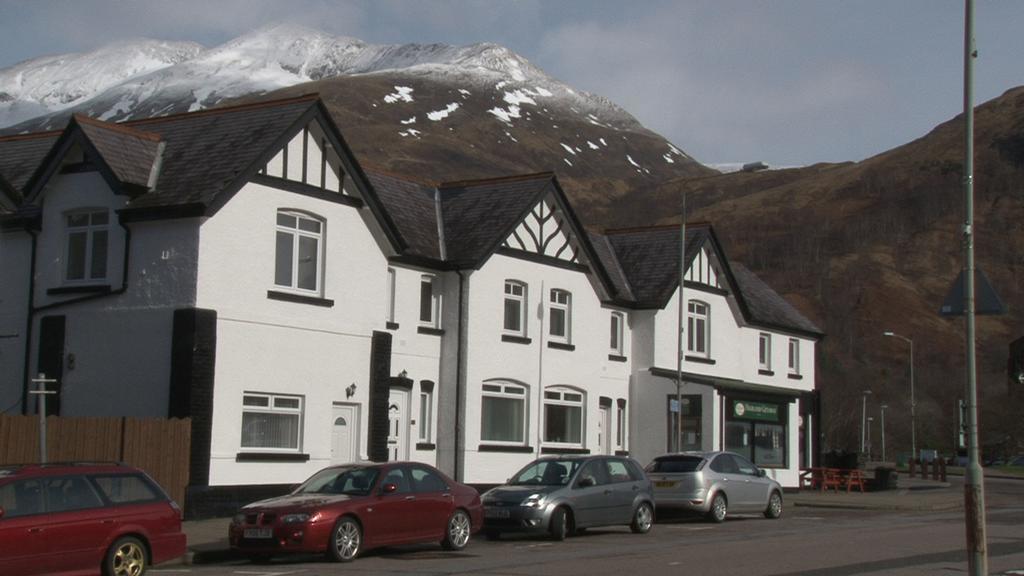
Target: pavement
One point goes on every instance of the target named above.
(208, 542)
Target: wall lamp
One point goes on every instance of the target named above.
(350, 391)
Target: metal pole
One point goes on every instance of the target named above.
(864, 419)
(974, 492)
(682, 316)
(870, 420)
(883, 432)
(913, 405)
(42, 392)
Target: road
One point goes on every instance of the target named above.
(804, 542)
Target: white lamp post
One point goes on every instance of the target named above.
(864, 420)
(870, 420)
(883, 431)
(913, 404)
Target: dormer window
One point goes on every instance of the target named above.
(87, 235)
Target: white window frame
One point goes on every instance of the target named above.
(389, 304)
(90, 230)
(522, 300)
(426, 419)
(506, 390)
(694, 317)
(435, 301)
(794, 356)
(297, 233)
(567, 397)
(273, 408)
(764, 351)
(616, 332)
(555, 303)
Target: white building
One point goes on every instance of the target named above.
(239, 267)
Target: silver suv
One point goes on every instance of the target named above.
(560, 495)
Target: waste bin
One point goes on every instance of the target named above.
(885, 478)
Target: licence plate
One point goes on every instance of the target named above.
(496, 513)
(259, 533)
(664, 484)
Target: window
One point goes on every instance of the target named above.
(620, 424)
(389, 295)
(127, 488)
(515, 308)
(271, 422)
(563, 416)
(698, 338)
(425, 480)
(690, 410)
(757, 431)
(299, 252)
(430, 301)
(426, 404)
(560, 315)
(615, 341)
(764, 351)
(87, 235)
(794, 356)
(503, 413)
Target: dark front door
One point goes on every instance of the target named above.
(51, 360)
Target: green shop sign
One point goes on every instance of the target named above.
(755, 411)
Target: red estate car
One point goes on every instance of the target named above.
(344, 510)
(85, 518)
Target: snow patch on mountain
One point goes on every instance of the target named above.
(439, 115)
(401, 94)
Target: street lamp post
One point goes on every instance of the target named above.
(864, 419)
(913, 403)
(870, 420)
(883, 431)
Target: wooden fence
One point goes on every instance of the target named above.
(160, 446)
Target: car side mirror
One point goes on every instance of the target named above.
(761, 472)
(586, 482)
(389, 488)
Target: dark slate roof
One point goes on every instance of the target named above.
(649, 259)
(479, 215)
(411, 205)
(21, 155)
(7, 197)
(129, 153)
(765, 306)
(606, 254)
(206, 152)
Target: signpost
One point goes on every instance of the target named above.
(42, 381)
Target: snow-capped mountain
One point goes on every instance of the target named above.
(147, 78)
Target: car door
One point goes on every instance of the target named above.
(79, 526)
(729, 480)
(23, 528)
(623, 491)
(758, 487)
(392, 517)
(434, 503)
(748, 485)
(591, 494)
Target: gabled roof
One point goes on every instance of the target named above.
(649, 259)
(7, 197)
(413, 208)
(20, 156)
(606, 254)
(765, 307)
(132, 155)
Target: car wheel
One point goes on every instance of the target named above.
(127, 557)
(774, 509)
(459, 528)
(559, 527)
(643, 518)
(346, 540)
(719, 508)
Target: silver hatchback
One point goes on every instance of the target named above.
(560, 495)
(714, 484)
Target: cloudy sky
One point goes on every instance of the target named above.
(789, 82)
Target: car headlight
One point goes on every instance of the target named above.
(294, 518)
(533, 501)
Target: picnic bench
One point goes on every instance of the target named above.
(834, 478)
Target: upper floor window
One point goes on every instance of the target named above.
(615, 341)
(794, 356)
(697, 327)
(503, 413)
(515, 308)
(560, 317)
(87, 235)
(389, 295)
(764, 351)
(299, 251)
(563, 416)
(430, 301)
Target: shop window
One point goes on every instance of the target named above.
(757, 431)
(691, 415)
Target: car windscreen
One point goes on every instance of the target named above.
(351, 481)
(547, 473)
(676, 464)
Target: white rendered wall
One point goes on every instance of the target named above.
(272, 346)
(587, 368)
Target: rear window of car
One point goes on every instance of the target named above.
(127, 488)
(676, 464)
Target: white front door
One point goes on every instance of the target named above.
(398, 421)
(344, 433)
(604, 424)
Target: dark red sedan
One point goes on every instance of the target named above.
(344, 510)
